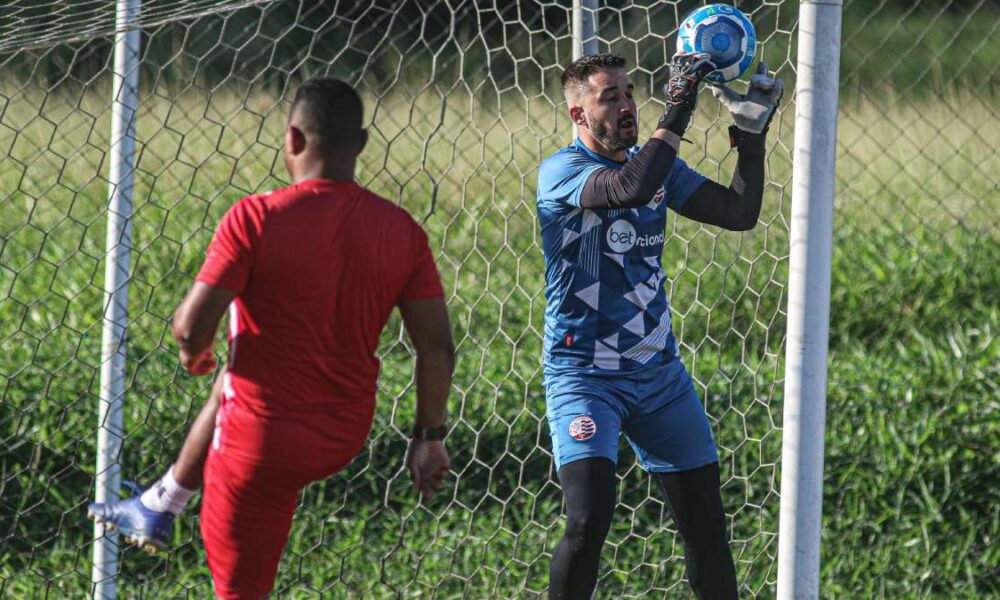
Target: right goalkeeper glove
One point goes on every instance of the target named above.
(752, 112)
(686, 72)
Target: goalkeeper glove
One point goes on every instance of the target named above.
(686, 72)
(752, 111)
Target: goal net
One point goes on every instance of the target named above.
(462, 103)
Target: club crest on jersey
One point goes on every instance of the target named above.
(582, 428)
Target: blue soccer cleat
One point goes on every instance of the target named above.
(148, 529)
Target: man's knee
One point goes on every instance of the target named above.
(584, 528)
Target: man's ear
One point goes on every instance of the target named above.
(577, 116)
(295, 140)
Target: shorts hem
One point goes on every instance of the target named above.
(562, 463)
(690, 466)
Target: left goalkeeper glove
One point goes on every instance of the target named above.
(752, 111)
(686, 72)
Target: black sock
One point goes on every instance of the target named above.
(589, 490)
(696, 503)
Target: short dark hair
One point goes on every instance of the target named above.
(330, 110)
(576, 75)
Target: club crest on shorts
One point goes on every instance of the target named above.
(582, 428)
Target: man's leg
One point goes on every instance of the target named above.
(246, 515)
(696, 504)
(673, 440)
(186, 475)
(589, 490)
(255, 469)
(147, 520)
(585, 419)
(189, 470)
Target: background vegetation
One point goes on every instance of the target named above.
(462, 109)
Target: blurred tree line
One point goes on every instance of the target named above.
(499, 45)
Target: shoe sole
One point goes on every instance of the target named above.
(144, 543)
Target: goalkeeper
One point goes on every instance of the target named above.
(309, 274)
(611, 362)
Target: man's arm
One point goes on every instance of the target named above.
(426, 322)
(195, 323)
(636, 183)
(737, 207)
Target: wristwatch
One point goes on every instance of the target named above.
(431, 434)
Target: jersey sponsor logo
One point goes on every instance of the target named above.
(582, 428)
(622, 237)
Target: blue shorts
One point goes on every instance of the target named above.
(657, 408)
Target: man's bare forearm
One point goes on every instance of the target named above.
(427, 323)
(433, 373)
(195, 322)
(192, 345)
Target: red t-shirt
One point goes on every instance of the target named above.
(317, 267)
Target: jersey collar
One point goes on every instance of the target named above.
(327, 183)
(614, 164)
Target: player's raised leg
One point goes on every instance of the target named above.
(189, 470)
(147, 519)
(246, 517)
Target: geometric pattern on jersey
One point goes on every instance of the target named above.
(607, 307)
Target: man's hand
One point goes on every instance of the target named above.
(686, 72)
(429, 464)
(194, 325)
(199, 364)
(752, 111)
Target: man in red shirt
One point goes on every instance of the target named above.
(309, 274)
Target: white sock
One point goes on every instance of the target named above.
(166, 495)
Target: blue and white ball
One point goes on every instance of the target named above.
(724, 32)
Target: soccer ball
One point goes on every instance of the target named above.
(724, 32)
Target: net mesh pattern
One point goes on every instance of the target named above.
(462, 103)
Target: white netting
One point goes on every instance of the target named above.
(42, 23)
(463, 102)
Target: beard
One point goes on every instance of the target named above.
(614, 141)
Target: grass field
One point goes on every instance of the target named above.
(913, 450)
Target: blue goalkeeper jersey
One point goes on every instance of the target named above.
(607, 308)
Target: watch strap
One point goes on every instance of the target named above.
(432, 434)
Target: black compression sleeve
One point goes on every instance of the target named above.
(749, 169)
(633, 185)
(737, 207)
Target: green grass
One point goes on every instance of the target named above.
(912, 422)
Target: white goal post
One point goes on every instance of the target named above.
(121, 178)
(807, 339)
